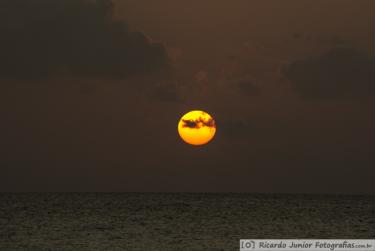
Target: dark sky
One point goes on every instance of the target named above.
(91, 93)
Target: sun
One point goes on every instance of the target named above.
(196, 127)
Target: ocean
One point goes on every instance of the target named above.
(176, 221)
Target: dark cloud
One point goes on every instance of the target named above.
(236, 128)
(198, 123)
(168, 92)
(301, 36)
(337, 40)
(341, 72)
(46, 37)
(248, 87)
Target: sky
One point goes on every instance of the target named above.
(91, 93)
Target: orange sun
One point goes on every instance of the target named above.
(197, 127)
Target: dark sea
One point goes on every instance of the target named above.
(182, 221)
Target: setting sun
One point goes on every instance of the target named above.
(197, 127)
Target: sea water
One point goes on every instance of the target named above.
(180, 221)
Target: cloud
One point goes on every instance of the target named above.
(175, 54)
(245, 85)
(248, 87)
(166, 91)
(201, 77)
(340, 73)
(198, 123)
(236, 128)
(41, 38)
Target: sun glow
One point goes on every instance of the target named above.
(197, 127)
